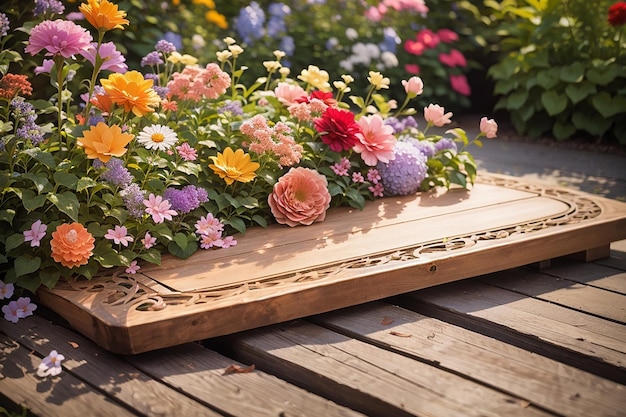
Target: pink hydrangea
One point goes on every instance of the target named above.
(195, 82)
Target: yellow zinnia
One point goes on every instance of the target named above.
(103, 15)
(102, 141)
(234, 166)
(131, 91)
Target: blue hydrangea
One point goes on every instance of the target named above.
(390, 41)
(250, 22)
(404, 174)
(288, 46)
(276, 24)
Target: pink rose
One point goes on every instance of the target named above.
(300, 197)
(488, 127)
(434, 114)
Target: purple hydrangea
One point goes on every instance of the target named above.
(186, 199)
(117, 174)
(401, 124)
(165, 46)
(232, 107)
(133, 197)
(445, 143)
(425, 146)
(404, 174)
(48, 6)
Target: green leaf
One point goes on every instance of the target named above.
(260, 220)
(517, 99)
(181, 240)
(153, 256)
(549, 79)
(65, 179)
(39, 180)
(106, 256)
(45, 158)
(236, 223)
(609, 106)
(7, 215)
(563, 130)
(66, 203)
(49, 277)
(579, 92)
(31, 201)
(85, 183)
(30, 282)
(553, 102)
(26, 264)
(603, 75)
(573, 73)
(190, 248)
(593, 123)
(13, 242)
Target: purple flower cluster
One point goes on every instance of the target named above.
(425, 146)
(117, 174)
(25, 112)
(4, 25)
(400, 125)
(232, 107)
(404, 174)
(153, 58)
(445, 144)
(186, 199)
(133, 197)
(48, 6)
(165, 47)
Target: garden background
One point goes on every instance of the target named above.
(552, 68)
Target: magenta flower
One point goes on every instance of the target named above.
(50, 365)
(148, 241)
(58, 37)
(133, 268)
(36, 232)
(460, 85)
(119, 235)
(159, 208)
(376, 140)
(6, 290)
(112, 59)
(447, 35)
(45, 67)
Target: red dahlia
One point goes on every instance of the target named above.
(617, 14)
(338, 129)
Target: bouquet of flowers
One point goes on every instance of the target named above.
(121, 166)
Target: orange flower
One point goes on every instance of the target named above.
(72, 245)
(103, 142)
(234, 166)
(131, 91)
(103, 15)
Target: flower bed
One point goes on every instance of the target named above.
(120, 166)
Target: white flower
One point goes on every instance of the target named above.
(50, 365)
(157, 137)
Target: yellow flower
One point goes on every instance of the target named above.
(185, 59)
(377, 80)
(217, 18)
(103, 15)
(131, 91)
(103, 142)
(208, 3)
(234, 166)
(316, 77)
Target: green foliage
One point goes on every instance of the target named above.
(562, 71)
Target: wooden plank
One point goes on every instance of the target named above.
(61, 396)
(595, 275)
(540, 381)
(618, 256)
(281, 273)
(108, 373)
(556, 289)
(370, 379)
(199, 373)
(539, 326)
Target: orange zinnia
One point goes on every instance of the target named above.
(72, 245)
(103, 142)
(131, 91)
(103, 15)
(234, 166)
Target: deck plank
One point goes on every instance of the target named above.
(65, 396)
(370, 379)
(539, 380)
(200, 373)
(106, 372)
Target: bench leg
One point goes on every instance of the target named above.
(592, 254)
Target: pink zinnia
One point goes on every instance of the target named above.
(119, 235)
(58, 37)
(36, 232)
(376, 140)
(159, 208)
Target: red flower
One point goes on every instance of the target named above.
(617, 14)
(326, 97)
(15, 84)
(338, 129)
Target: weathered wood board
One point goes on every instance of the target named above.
(395, 245)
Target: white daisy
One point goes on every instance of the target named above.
(157, 137)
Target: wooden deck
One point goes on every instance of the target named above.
(521, 342)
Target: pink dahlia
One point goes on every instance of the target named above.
(300, 197)
(376, 140)
(58, 37)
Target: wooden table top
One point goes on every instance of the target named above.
(524, 341)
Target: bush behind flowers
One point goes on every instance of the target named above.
(119, 166)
